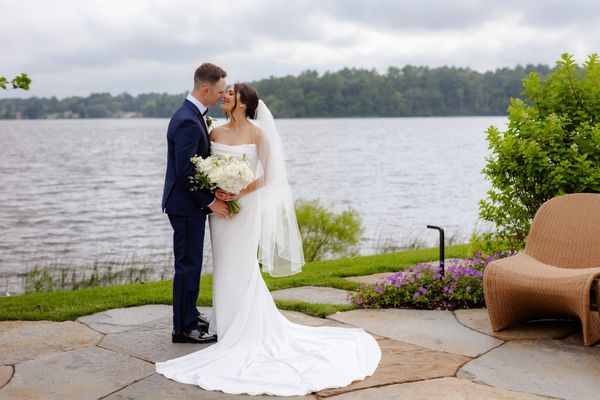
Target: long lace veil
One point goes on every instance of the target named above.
(280, 244)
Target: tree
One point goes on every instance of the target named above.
(19, 82)
(551, 147)
(349, 92)
(325, 233)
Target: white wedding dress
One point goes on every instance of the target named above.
(260, 351)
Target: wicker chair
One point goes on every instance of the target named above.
(554, 275)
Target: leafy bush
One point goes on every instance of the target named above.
(491, 243)
(551, 147)
(325, 233)
(424, 287)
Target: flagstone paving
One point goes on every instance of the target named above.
(545, 367)
(313, 294)
(403, 362)
(369, 279)
(21, 341)
(5, 374)
(436, 330)
(146, 317)
(425, 354)
(87, 373)
(304, 319)
(478, 320)
(160, 388)
(444, 388)
(152, 346)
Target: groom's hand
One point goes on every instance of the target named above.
(219, 207)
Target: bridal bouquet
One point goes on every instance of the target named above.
(227, 173)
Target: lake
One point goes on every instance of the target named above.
(79, 192)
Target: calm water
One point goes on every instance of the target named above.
(78, 191)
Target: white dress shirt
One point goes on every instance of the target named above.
(202, 108)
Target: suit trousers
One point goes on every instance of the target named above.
(188, 244)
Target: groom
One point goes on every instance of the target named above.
(187, 136)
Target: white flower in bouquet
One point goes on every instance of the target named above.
(227, 173)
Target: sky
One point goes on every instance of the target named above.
(79, 47)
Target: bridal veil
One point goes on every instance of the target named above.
(280, 245)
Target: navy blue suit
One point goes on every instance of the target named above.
(187, 136)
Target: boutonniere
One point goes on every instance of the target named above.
(209, 121)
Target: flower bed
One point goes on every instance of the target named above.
(424, 287)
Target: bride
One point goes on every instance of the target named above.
(259, 351)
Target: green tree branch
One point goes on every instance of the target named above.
(18, 82)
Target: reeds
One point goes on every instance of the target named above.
(70, 276)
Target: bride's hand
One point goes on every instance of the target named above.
(225, 196)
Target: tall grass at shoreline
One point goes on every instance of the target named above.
(59, 276)
(384, 243)
(48, 279)
(64, 305)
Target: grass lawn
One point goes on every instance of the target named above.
(69, 305)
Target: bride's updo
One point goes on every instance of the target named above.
(248, 96)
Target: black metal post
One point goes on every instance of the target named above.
(441, 246)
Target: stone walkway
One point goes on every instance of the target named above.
(426, 354)
(313, 294)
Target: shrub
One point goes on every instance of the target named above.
(325, 233)
(491, 243)
(424, 287)
(551, 147)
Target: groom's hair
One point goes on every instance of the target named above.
(208, 73)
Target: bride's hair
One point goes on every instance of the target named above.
(248, 96)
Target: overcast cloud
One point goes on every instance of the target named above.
(77, 47)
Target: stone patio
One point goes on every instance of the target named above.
(369, 279)
(425, 354)
(313, 294)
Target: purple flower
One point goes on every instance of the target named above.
(419, 275)
(423, 290)
(416, 295)
(379, 290)
(468, 288)
(412, 279)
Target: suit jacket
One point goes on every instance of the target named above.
(187, 136)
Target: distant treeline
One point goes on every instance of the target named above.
(410, 91)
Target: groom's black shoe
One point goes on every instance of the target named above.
(202, 322)
(195, 336)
